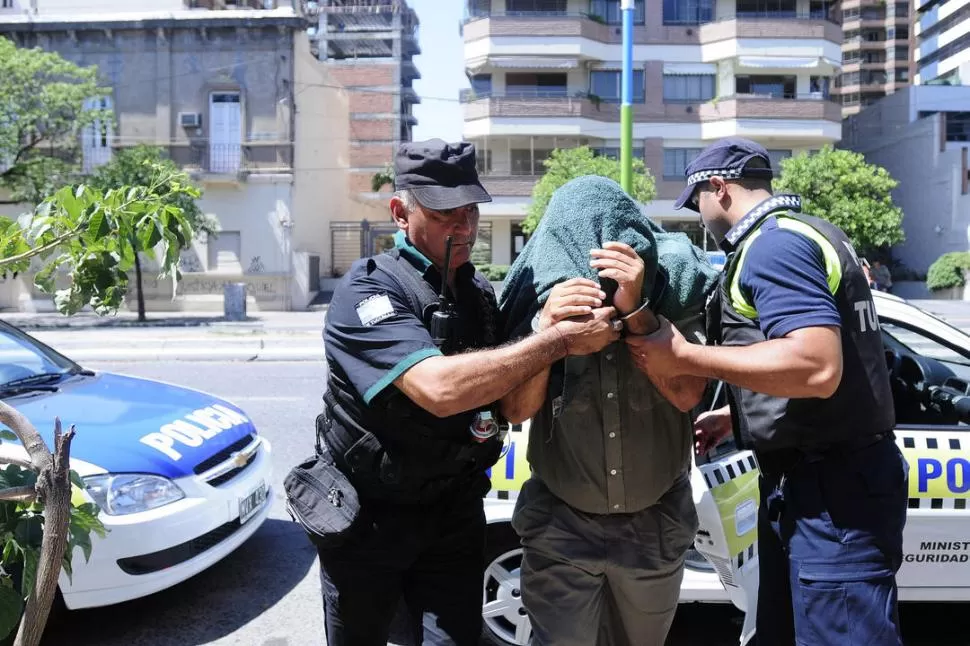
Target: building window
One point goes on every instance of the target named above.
(902, 54)
(607, 85)
(519, 240)
(957, 126)
(225, 252)
(609, 11)
(902, 75)
(694, 230)
(819, 87)
(776, 156)
(481, 84)
(529, 162)
(96, 137)
(770, 8)
(614, 152)
(688, 12)
(676, 160)
(689, 88)
(779, 87)
(225, 132)
(852, 98)
(536, 85)
(483, 161)
(526, 7)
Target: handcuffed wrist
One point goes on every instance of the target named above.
(644, 305)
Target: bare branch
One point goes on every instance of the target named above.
(54, 488)
(18, 494)
(20, 462)
(40, 455)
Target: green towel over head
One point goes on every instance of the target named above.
(582, 215)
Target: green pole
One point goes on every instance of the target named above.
(626, 100)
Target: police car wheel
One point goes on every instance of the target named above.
(504, 620)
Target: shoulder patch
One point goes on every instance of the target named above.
(374, 309)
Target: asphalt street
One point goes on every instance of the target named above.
(267, 593)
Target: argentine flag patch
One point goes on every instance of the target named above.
(374, 309)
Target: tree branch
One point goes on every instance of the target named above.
(20, 462)
(40, 455)
(54, 488)
(18, 494)
(39, 250)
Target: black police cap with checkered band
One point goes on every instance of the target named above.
(726, 158)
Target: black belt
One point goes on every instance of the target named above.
(782, 461)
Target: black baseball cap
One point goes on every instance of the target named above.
(440, 175)
(726, 158)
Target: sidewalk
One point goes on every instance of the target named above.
(178, 336)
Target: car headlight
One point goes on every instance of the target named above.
(129, 493)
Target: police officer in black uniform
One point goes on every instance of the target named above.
(801, 351)
(411, 408)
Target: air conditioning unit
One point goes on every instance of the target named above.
(190, 119)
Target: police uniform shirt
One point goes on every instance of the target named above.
(371, 334)
(784, 278)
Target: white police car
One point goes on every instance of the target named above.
(181, 477)
(930, 372)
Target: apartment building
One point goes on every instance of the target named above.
(233, 93)
(369, 46)
(921, 135)
(545, 74)
(942, 50)
(876, 51)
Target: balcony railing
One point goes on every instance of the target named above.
(517, 92)
(812, 105)
(250, 158)
(819, 14)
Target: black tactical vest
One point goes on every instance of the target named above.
(861, 406)
(392, 449)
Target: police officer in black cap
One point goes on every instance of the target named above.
(801, 352)
(411, 410)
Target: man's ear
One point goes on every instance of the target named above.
(399, 213)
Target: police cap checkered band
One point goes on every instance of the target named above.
(726, 158)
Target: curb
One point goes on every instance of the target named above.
(232, 354)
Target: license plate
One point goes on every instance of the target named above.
(250, 505)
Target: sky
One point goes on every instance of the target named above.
(442, 67)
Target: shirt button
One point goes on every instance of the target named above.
(610, 395)
(612, 435)
(612, 472)
(616, 506)
(609, 356)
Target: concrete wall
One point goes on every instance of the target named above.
(930, 192)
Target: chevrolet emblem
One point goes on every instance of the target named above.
(240, 459)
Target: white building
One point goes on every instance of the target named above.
(545, 74)
(942, 31)
(921, 135)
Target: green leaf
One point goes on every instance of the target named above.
(11, 610)
(98, 225)
(7, 434)
(77, 480)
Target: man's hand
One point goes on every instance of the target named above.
(710, 428)
(590, 333)
(660, 351)
(574, 297)
(620, 262)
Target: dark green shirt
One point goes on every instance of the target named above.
(605, 440)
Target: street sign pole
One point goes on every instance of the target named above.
(626, 100)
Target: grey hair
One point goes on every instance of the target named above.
(407, 197)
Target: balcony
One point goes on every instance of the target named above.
(543, 23)
(523, 102)
(212, 162)
(801, 107)
(774, 24)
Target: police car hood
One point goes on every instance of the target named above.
(130, 425)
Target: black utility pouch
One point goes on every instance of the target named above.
(322, 500)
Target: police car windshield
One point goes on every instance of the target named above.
(21, 359)
(924, 345)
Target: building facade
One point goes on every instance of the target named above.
(545, 74)
(921, 135)
(231, 91)
(942, 53)
(369, 47)
(876, 51)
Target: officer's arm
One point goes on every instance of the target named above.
(524, 402)
(804, 363)
(784, 274)
(683, 391)
(448, 385)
